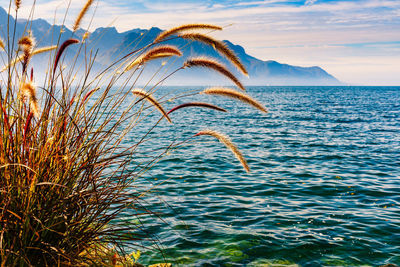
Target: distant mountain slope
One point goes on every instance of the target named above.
(110, 45)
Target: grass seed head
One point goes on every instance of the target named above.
(62, 48)
(26, 43)
(214, 65)
(222, 91)
(219, 46)
(154, 53)
(152, 100)
(81, 15)
(228, 143)
(197, 104)
(28, 90)
(186, 27)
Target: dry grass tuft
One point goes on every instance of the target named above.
(215, 65)
(152, 100)
(236, 95)
(186, 27)
(154, 53)
(67, 177)
(197, 104)
(219, 46)
(81, 15)
(228, 143)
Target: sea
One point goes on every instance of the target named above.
(324, 186)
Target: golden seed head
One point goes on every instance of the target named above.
(154, 53)
(214, 65)
(151, 100)
(26, 42)
(217, 45)
(186, 27)
(81, 15)
(222, 91)
(228, 143)
(29, 90)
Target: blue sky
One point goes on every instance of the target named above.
(356, 41)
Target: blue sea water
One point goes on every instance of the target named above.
(324, 186)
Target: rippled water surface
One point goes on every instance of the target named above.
(324, 187)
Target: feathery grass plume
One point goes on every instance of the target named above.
(186, 27)
(234, 94)
(17, 4)
(197, 104)
(153, 101)
(215, 65)
(35, 52)
(63, 46)
(154, 53)
(81, 15)
(228, 143)
(219, 46)
(29, 90)
(26, 43)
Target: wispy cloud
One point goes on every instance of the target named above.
(310, 2)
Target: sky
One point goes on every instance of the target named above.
(357, 41)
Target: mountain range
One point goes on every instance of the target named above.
(109, 44)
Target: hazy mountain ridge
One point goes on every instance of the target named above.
(111, 45)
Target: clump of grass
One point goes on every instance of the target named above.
(66, 172)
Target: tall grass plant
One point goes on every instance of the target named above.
(66, 173)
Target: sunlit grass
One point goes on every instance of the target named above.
(65, 172)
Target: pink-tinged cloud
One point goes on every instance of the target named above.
(273, 29)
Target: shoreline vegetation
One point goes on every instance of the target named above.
(66, 172)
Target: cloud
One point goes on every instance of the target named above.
(268, 29)
(310, 2)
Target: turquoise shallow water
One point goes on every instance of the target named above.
(324, 188)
